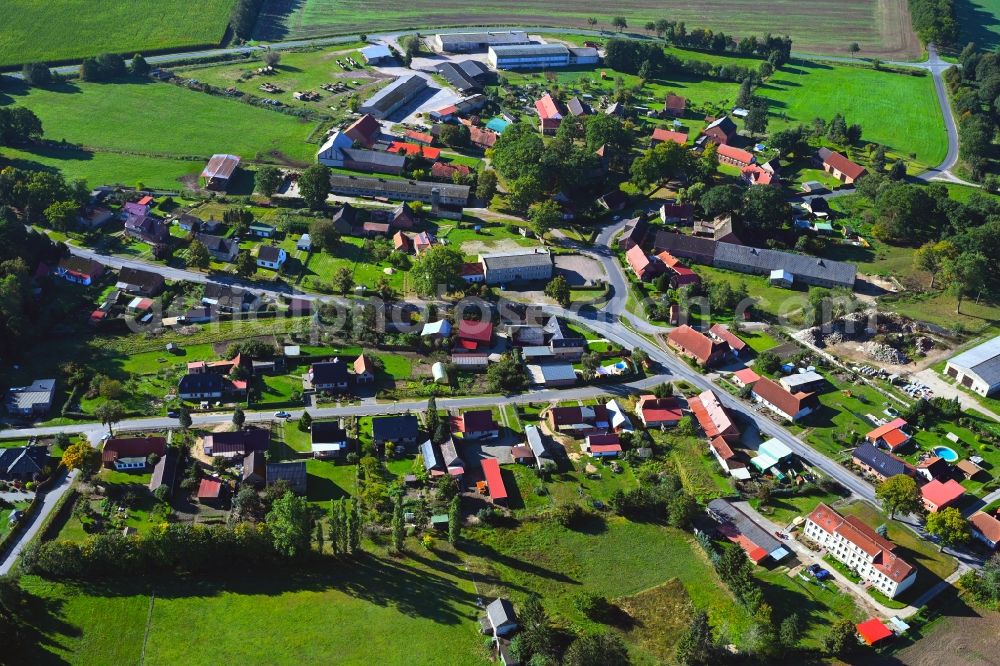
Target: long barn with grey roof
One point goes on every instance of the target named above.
(391, 98)
(400, 190)
(468, 42)
(806, 269)
(978, 369)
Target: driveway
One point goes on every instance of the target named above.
(48, 504)
(943, 389)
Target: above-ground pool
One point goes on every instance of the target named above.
(945, 453)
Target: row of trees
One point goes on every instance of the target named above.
(975, 90)
(648, 61)
(935, 21)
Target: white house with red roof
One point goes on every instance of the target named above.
(476, 424)
(986, 528)
(603, 445)
(550, 114)
(856, 545)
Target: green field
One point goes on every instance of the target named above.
(52, 30)
(815, 26)
(135, 130)
(310, 614)
(980, 23)
(904, 114)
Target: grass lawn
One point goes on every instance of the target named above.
(20, 505)
(349, 253)
(427, 598)
(911, 547)
(71, 29)
(699, 471)
(328, 480)
(818, 604)
(759, 341)
(559, 563)
(161, 120)
(938, 307)
(783, 510)
(980, 23)
(768, 299)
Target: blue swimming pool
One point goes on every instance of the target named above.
(945, 453)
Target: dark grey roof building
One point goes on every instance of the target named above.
(24, 463)
(292, 472)
(878, 461)
(388, 100)
(806, 269)
(400, 190)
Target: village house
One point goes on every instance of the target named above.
(929, 468)
(840, 167)
(364, 370)
(602, 445)
(239, 443)
(255, 469)
(142, 283)
(328, 439)
(807, 380)
(473, 335)
(328, 375)
(395, 430)
(475, 424)
(131, 452)
(714, 419)
(212, 492)
(147, 228)
(364, 132)
(219, 248)
(744, 377)
(550, 114)
(720, 131)
(164, 472)
(733, 156)
(644, 267)
(551, 375)
(227, 298)
(696, 345)
(202, 386)
(93, 217)
(79, 270)
(787, 405)
(855, 544)
(659, 412)
(577, 421)
(729, 460)
(878, 464)
(271, 256)
(723, 334)
(24, 463)
(661, 135)
(892, 435)
(31, 401)
(633, 233)
(674, 106)
(680, 275)
(672, 212)
(937, 495)
(986, 528)
(293, 473)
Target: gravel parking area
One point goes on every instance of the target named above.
(580, 271)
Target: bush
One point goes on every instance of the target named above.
(570, 514)
(594, 606)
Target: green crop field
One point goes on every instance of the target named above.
(53, 30)
(133, 131)
(815, 25)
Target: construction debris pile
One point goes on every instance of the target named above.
(885, 337)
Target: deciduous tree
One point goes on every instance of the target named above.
(899, 493)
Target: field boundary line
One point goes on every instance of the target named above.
(149, 622)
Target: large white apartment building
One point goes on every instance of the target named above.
(858, 546)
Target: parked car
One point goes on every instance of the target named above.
(173, 414)
(282, 415)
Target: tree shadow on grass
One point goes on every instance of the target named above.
(491, 554)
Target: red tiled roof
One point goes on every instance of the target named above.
(694, 342)
(655, 410)
(133, 447)
(872, 631)
(475, 331)
(865, 538)
(478, 420)
(471, 268)
(712, 416)
(638, 260)
(940, 494)
(895, 438)
(723, 333)
(402, 242)
(746, 375)
(412, 149)
(722, 447)
(442, 170)
(364, 130)
(548, 108)
(757, 175)
(668, 259)
(494, 480)
(603, 439)
(605, 448)
(737, 154)
(419, 137)
(664, 135)
(209, 489)
(521, 451)
(844, 165)
(882, 430)
(482, 137)
(790, 404)
(675, 102)
(145, 201)
(987, 525)
(362, 365)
